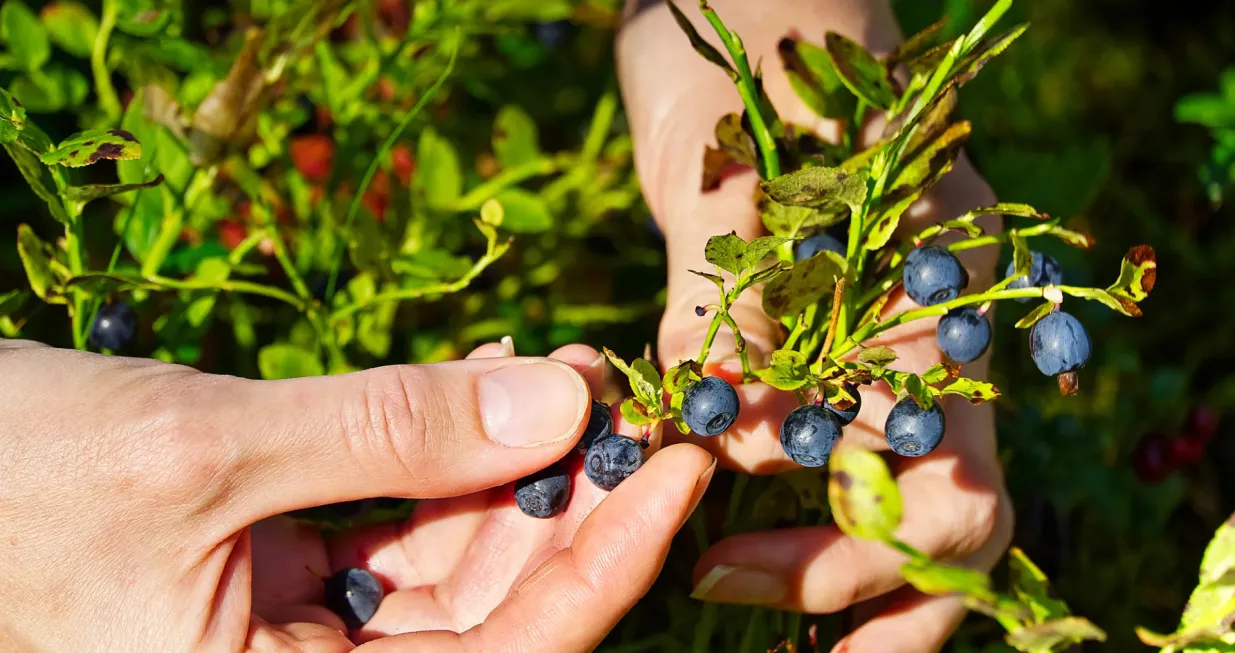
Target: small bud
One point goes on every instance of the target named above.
(700, 311)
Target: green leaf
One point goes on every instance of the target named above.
(918, 42)
(1032, 588)
(716, 279)
(1219, 560)
(682, 376)
(1022, 256)
(1137, 274)
(1033, 317)
(937, 373)
(926, 62)
(36, 258)
(1050, 635)
(71, 26)
(1073, 238)
(972, 63)
(209, 270)
(25, 35)
(788, 371)
(939, 579)
(1110, 300)
(85, 194)
(524, 212)
(12, 117)
(790, 292)
(790, 221)
(1208, 109)
(635, 412)
(644, 380)
(727, 252)
(90, 147)
(860, 71)
(930, 162)
(515, 137)
(977, 392)
(143, 17)
(880, 356)
(52, 89)
(283, 361)
(818, 188)
(863, 495)
(915, 387)
(12, 301)
(705, 49)
(759, 248)
(815, 80)
(34, 173)
(438, 176)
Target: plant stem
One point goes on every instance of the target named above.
(373, 166)
(602, 122)
(103, 88)
(707, 340)
(505, 179)
(838, 296)
(741, 343)
(414, 293)
(748, 92)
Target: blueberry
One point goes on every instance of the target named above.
(808, 434)
(963, 334)
(911, 431)
(1043, 271)
(710, 406)
(599, 425)
(354, 595)
(846, 417)
(933, 276)
(545, 493)
(1059, 344)
(611, 459)
(818, 243)
(114, 326)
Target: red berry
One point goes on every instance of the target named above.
(1202, 422)
(404, 163)
(232, 233)
(1153, 458)
(312, 156)
(1187, 449)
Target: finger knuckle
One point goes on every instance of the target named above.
(398, 410)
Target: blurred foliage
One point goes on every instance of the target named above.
(1089, 116)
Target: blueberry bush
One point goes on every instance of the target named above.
(311, 187)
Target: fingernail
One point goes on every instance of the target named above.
(532, 404)
(740, 585)
(508, 346)
(701, 487)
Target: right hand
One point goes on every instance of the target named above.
(138, 505)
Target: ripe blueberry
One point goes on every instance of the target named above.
(611, 459)
(545, 493)
(911, 431)
(114, 326)
(599, 425)
(1043, 271)
(933, 276)
(845, 417)
(354, 595)
(818, 243)
(963, 334)
(808, 434)
(1059, 344)
(710, 406)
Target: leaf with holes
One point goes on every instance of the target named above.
(92, 146)
(863, 495)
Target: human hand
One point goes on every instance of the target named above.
(138, 503)
(955, 503)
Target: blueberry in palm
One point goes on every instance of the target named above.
(545, 493)
(354, 595)
(846, 417)
(599, 425)
(963, 334)
(820, 242)
(610, 460)
(1044, 270)
(933, 275)
(114, 326)
(914, 431)
(808, 435)
(710, 406)
(1060, 346)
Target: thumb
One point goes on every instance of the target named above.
(416, 431)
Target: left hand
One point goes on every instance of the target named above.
(955, 504)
